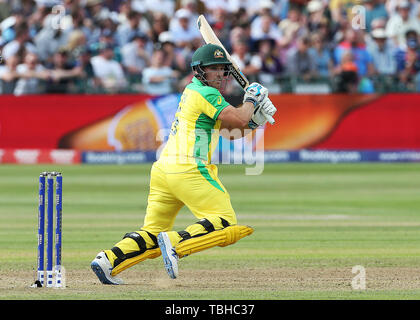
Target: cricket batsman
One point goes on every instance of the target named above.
(184, 175)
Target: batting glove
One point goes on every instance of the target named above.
(267, 107)
(259, 119)
(255, 94)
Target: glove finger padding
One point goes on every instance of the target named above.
(258, 119)
(267, 107)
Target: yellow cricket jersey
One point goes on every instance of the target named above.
(194, 133)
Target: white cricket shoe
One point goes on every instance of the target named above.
(170, 258)
(102, 268)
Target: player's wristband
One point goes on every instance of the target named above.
(253, 101)
(252, 125)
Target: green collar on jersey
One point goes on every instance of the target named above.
(198, 82)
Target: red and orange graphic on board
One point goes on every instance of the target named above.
(305, 120)
(106, 122)
(132, 128)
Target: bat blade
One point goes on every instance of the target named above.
(210, 37)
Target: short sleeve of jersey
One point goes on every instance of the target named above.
(213, 103)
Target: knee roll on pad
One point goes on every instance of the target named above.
(221, 238)
(234, 234)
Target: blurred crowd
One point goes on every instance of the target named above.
(114, 46)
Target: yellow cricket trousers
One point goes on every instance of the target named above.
(198, 188)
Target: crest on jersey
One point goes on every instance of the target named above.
(218, 54)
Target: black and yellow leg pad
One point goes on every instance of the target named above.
(224, 237)
(132, 249)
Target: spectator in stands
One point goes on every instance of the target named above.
(8, 26)
(271, 66)
(221, 24)
(160, 23)
(264, 25)
(91, 30)
(21, 45)
(173, 58)
(109, 71)
(383, 53)
(378, 23)
(415, 8)
(136, 23)
(184, 35)
(96, 10)
(240, 17)
(270, 63)
(191, 7)
(107, 37)
(400, 22)
(164, 6)
(262, 7)
(265, 29)
(375, 9)
(32, 76)
(124, 9)
(110, 24)
(9, 75)
(278, 9)
(210, 5)
(28, 7)
(339, 31)
(321, 55)
(35, 20)
(49, 39)
(327, 30)
(291, 27)
(87, 78)
(135, 56)
(347, 74)
(300, 63)
(159, 79)
(76, 42)
(78, 18)
(250, 64)
(235, 22)
(315, 15)
(239, 33)
(392, 7)
(281, 8)
(354, 41)
(408, 61)
(63, 73)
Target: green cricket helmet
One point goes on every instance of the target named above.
(207, 55)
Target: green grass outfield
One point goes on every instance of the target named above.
(313, 223)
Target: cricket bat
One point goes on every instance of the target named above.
(210, 37)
